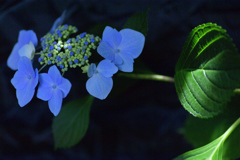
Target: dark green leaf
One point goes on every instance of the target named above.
(70, 126)
(138, 22)
(200, 132)
(207, 71)
(214, 150)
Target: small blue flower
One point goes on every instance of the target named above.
(24, 38)
(53, 88)
(57, 23)
(100, 82)
(121, 47)
(25, 81)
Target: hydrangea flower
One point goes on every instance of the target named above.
(100, 82)
(24, 38)
(53, 88)
(121, 47)
(25, 81)
(58, 22)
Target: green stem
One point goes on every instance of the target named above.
(237, 90)
(42, 68)
(154, 77)
(38, 53)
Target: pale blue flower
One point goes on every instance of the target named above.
(25, 81)
(53, 88)
(121, 47)
(24, 38)
(58, 22)
(100, 82)
(28, 50)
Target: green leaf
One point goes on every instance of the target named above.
(138, 22)
(200, 132)
(211, 151)
(70, 126)
(207, 71)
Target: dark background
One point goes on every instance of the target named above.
(144, 120)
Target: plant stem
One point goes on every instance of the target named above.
(154, 77)
(232, 127)
(237, 90)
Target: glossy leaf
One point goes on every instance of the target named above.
(207, 71)
(70, 126)
(138, 22)
(211, 151)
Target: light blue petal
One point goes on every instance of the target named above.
(106, 51)
(107, 68)
(25, 95)
(55, 75)
(20, 80)
(57, 22)
(127, 65)
(99, 86)
(44, 93)
(55, 103)
(112, 37)
(132, 42)
(35, 81)
(25, 36)
(65, 87)
(117, 59)
(25, 66)
(91, 70)
(14, 57)
(45, 80)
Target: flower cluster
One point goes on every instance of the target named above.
(61, 50)
(66, 52)
(120, 49)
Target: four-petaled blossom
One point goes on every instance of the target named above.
(53, 88)
(58, 22)
(24, 38)
(25, 81)
(121, 47)
(100, 82)
(28, 50)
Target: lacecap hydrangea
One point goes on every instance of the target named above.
(61, 51)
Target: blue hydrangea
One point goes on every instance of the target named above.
(53, 88)
(57, 23)
(121, 47)
(25, 81)
(24, 38)
(100, 82)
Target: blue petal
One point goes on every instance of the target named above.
(91, 70)
(20, 80)
(45, 80)
(55, 103)
(117, 59)
(99, 86)
(25, 95)
(25, 66)
(106, 51)
(65, 86)
(58, 22)
(112, 37)
(107, 68)
(55, 75)
(26, 36)
(44, 93)
(132, 42)
(14, 57)
(127, 65)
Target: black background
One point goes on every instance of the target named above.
(144, 120)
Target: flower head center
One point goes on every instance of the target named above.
(29, 77)
(117, 50)
(54, 86)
